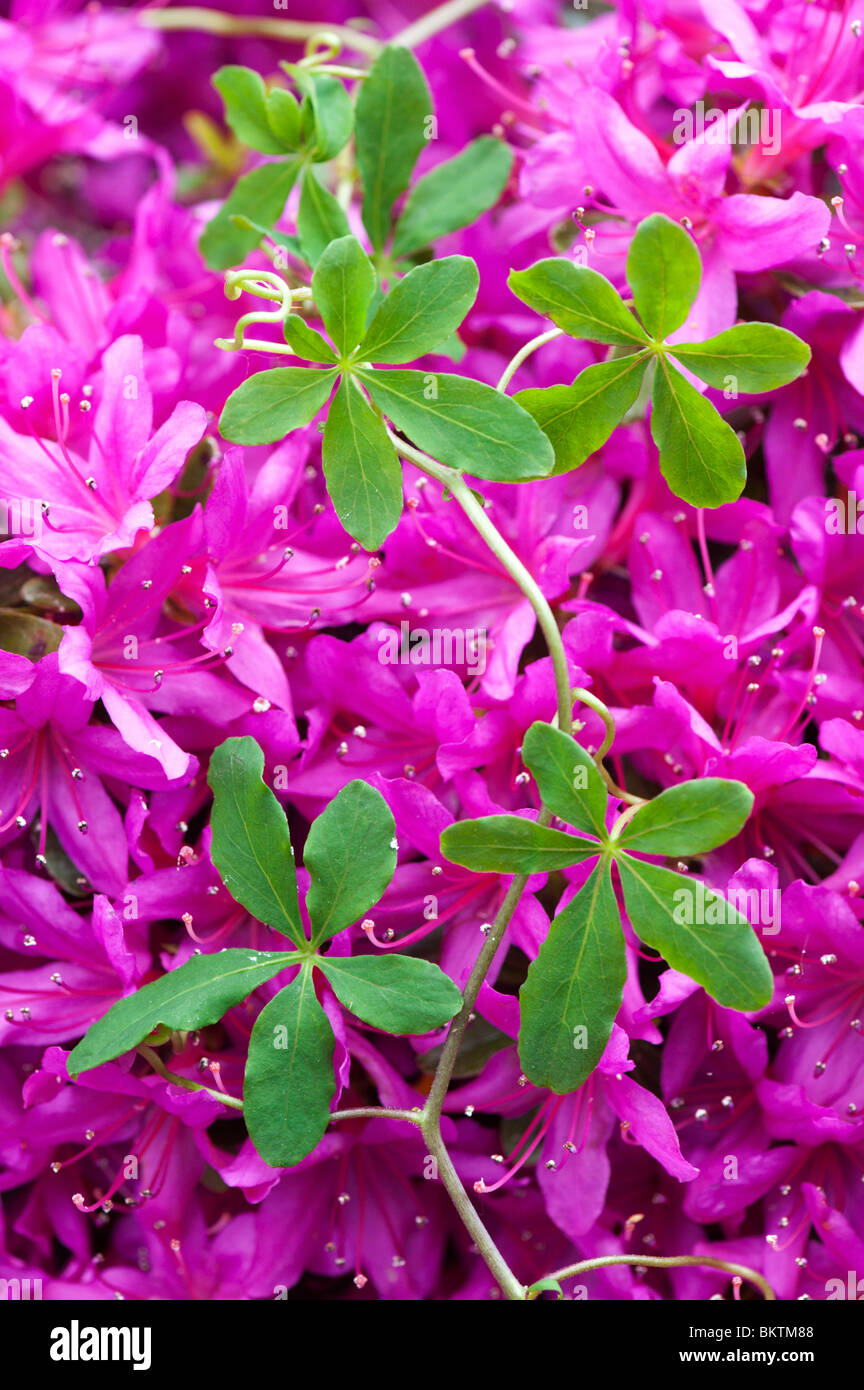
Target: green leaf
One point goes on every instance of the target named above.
(664, 273)
(351, 857)
(28, 635)
(758, 356)
(305, 342)
(195, 995)
(391, 116)
(421, 311)
(251, 845)
(267, 406)
(567, 778)
(691, 818)
(332, 111)
(343, 284)
(320, 218)
(463, 423)
(573, 989)
(259, 197)
(700, 455)
(512, 845)
(577, 300)
(453, 194)
(283, 117)
(725, 958)
(578, 419)
(289, 1081)
(400, 994)
(245, 98)
(361, 468)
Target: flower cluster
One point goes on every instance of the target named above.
(165, 589)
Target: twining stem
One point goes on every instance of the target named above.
(586, 698)
(599, 708)
(262, 284)
(668, 1262)
(524, 352)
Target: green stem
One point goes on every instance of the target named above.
(458, 1028)
(202, 20)
(436, 20)
(525, 352)
(586, 698)
(340, 70)
(254, 345)
(159, 1066)
(485, 1245)
(476, 514)
(236, 26)
(377, 1112)
(598, 707)
(668, 1262)
(431, 1121)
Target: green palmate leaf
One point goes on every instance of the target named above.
(726, 958)
(392, 115)
(512, 845)
(320, 218)
(400, 994)
(305, 342)
(578, 301)
(578, 419)
(289, 1081)
(754, 356)
(463, 423)
(567, 778)
(351, 857)
(361, 468)
(689, 819)
(283, 117)
(700, 455)
(331, 109)
(267, 406)
(343, 284)
(573, 989)
(259, 197)
(251, 846)
(245, 98)
(421, 310)
(664, 273)
(195, 995)
(453, 194)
